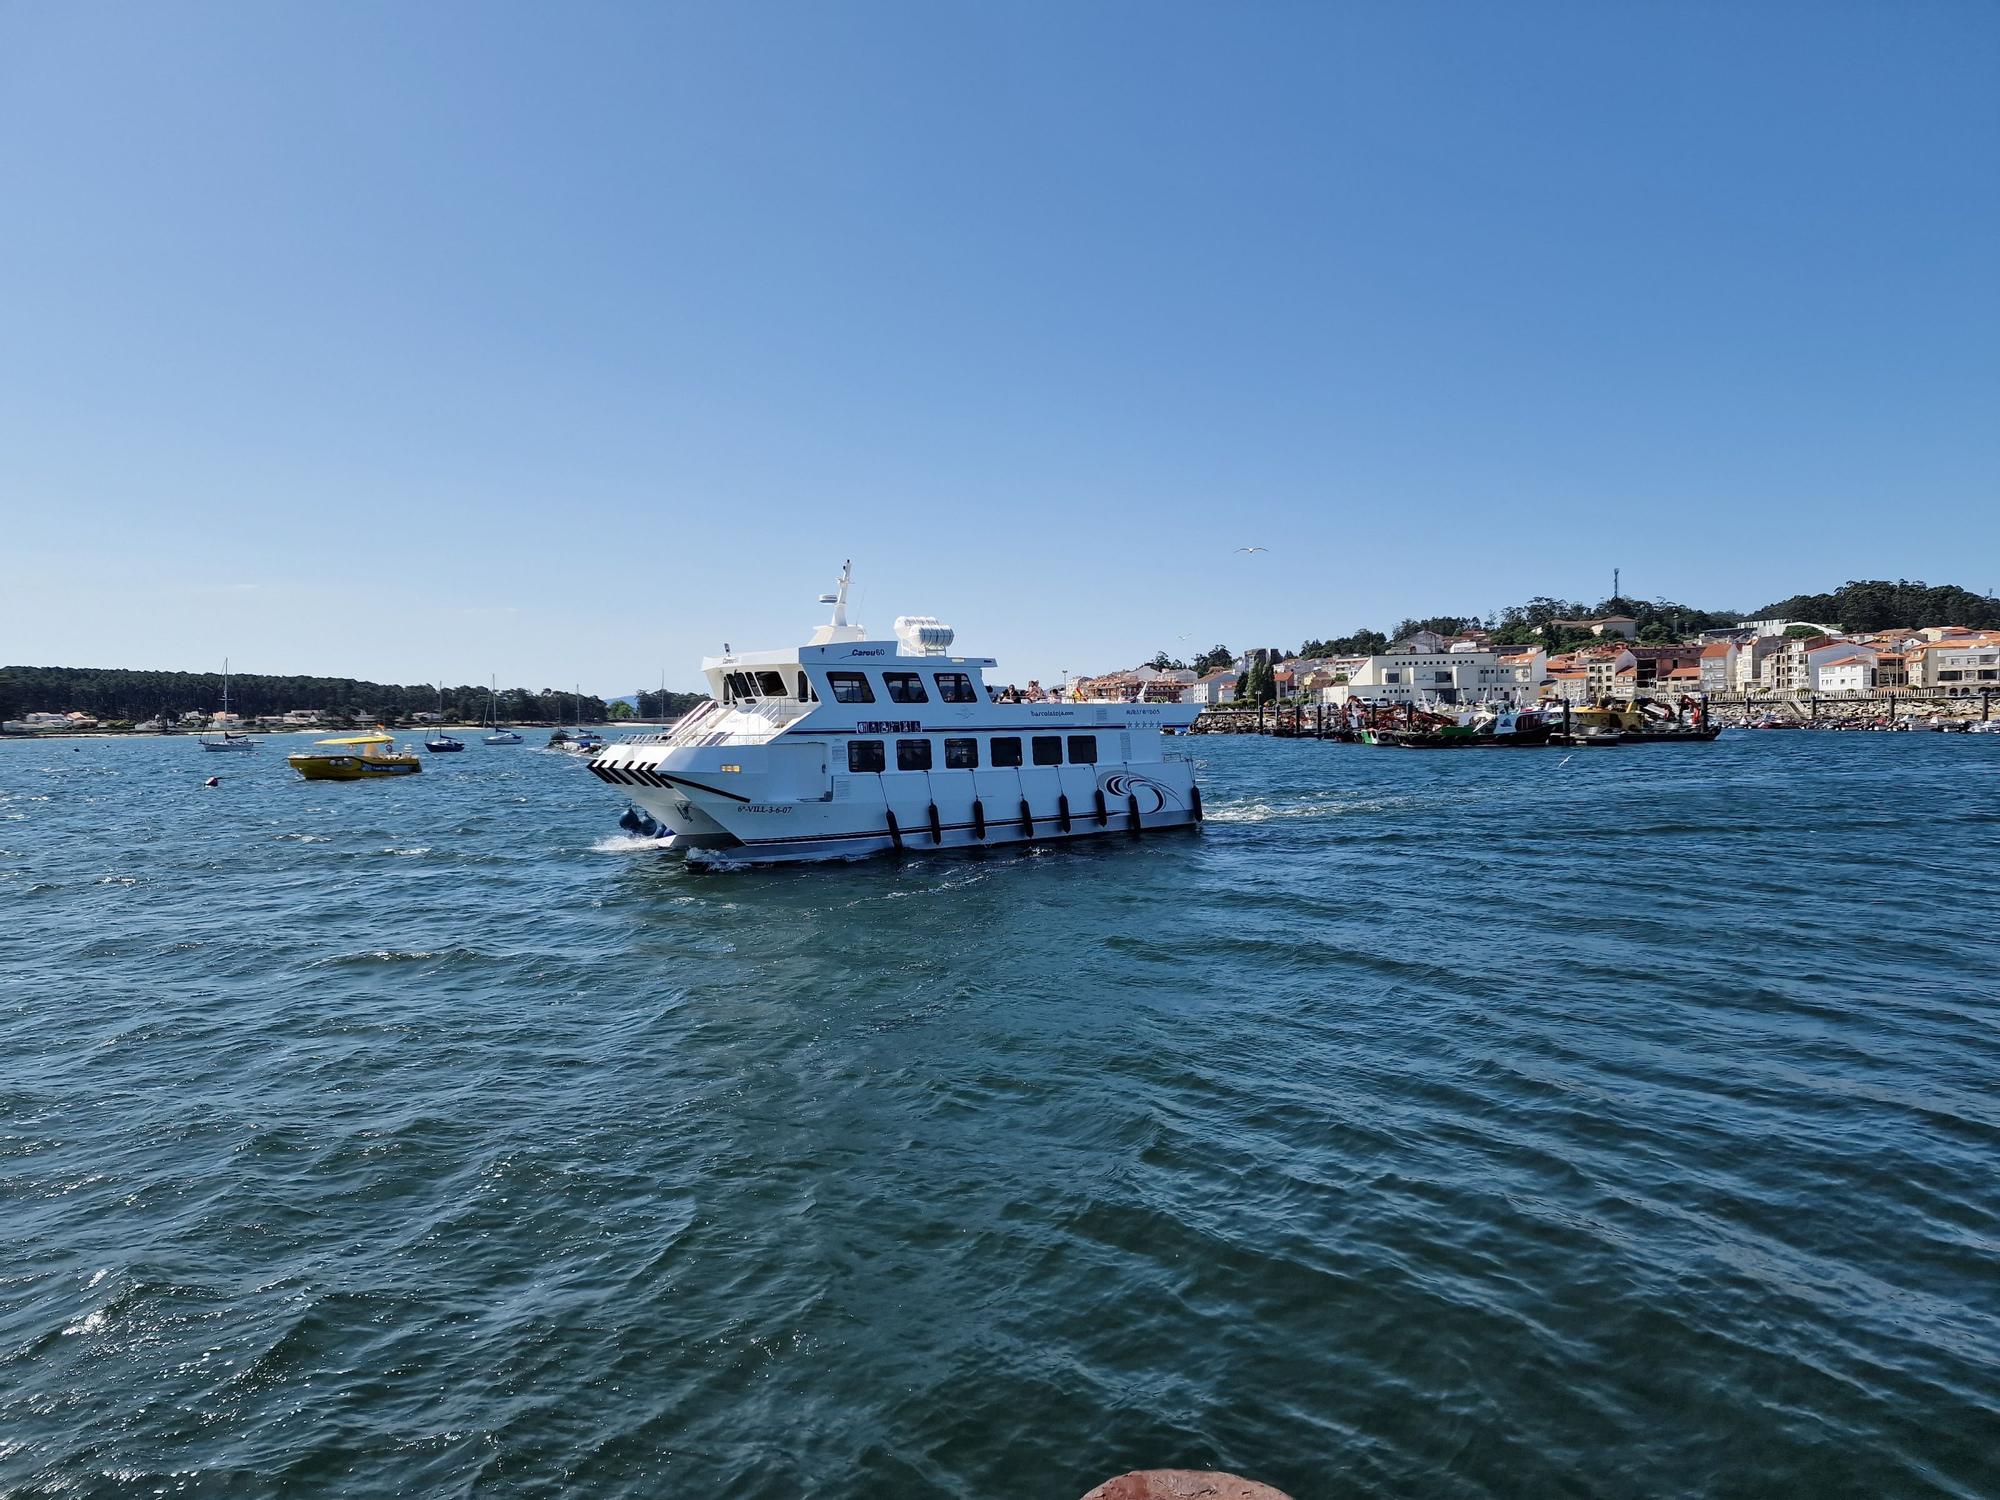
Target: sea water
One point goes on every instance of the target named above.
(1530, 1124)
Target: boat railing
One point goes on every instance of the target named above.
(710, 723)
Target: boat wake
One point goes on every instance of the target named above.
(630, 843)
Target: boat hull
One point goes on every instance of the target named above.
(919, 813)
(1046, 826)
(353, 767)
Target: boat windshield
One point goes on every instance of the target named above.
(767, 685)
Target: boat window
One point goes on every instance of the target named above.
(805, 689)
(913, 755)
(864, 755)
(955, 687)
(850, 687)
(1048, 749)
(771, 684)
(1083, 749)
(961, 755)
(905, 687)
(1004, 751)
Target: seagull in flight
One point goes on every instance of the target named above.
(1252, 549)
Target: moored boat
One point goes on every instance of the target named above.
(498, 736)
(355, 757)
(231, 739)
(443, 742)
(856, 744)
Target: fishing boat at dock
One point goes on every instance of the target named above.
(856, 744)
(1644, 721)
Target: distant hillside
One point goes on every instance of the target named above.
(113, 693)
(1877, 604)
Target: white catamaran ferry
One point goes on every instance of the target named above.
(849, 745)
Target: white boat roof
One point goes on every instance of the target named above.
(839, 641)
(871, 652)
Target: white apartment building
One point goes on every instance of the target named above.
(1601, 669)
(1747, 671)
(1718, 666)
(1846, 676)
(1959, 670)
(1441, 678)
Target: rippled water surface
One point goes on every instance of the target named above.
(1427, 1125)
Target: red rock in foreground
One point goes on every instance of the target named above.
(1182, 1484)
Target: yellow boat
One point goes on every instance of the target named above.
(358, 757)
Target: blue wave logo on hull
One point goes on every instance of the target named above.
(1152, 796)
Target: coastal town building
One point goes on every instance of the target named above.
(1136, 685)
(49, 723)
(1779, 627)
(1748, 667)
(1845, 676)
(1566, 683)
(1527, 669)
(1683, 680)
(1443, 678)
(1601, 666)
(1718, 666)
(1212, 690)
(1652, 665)
(1958, 665)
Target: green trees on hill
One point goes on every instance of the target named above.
(1259, 684)
(1877, 604)
(1361, 643)
(112, 693)
(1658, 621)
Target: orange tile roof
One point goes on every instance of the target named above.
(1717, 650)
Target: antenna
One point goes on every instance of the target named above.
(839, 598)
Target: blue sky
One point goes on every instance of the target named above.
(566, 342)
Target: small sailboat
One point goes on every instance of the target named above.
(230, 739)
(498, 736)
(584, 741)
(442, 743)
